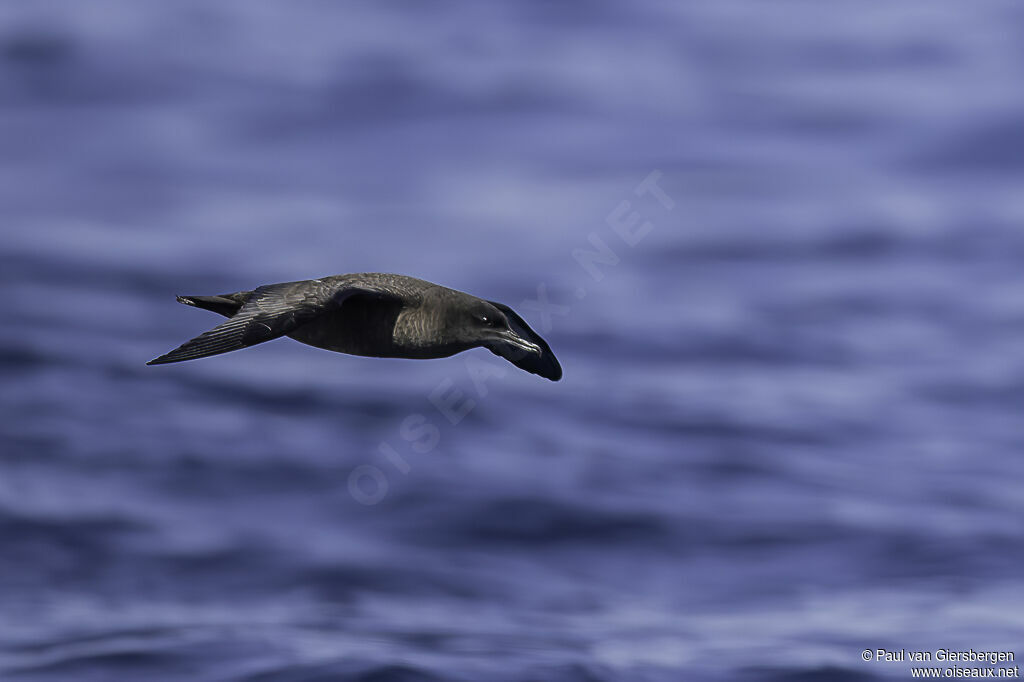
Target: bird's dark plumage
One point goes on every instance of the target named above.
(372, 314)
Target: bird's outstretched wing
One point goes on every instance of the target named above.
(545, 364)
(272, 311)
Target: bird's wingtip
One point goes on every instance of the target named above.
(553, 371)
(163, 359)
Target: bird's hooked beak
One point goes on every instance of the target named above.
(510, 337)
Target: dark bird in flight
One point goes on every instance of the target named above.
(374, 314)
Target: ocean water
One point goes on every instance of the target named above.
(777, 247)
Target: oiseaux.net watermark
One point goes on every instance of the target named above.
(626, 225)
(949, 663)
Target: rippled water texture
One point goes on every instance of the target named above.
(790, 425)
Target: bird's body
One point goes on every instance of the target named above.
(382, 327)
(370, 314)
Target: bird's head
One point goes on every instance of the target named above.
(481, 323)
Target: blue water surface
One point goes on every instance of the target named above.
(790, 427)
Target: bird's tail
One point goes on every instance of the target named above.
(224, 304)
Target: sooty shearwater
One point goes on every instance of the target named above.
(374, 314)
